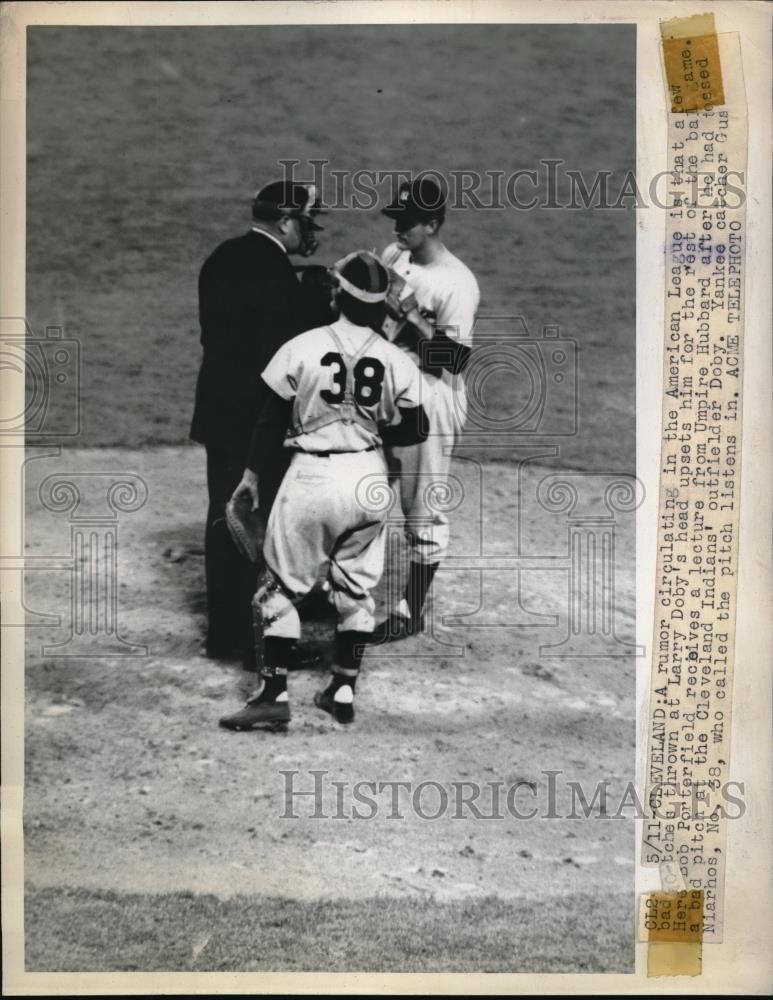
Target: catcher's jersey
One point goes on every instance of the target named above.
(345, 381)
(446, 287)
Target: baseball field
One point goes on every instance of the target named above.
(155, 840)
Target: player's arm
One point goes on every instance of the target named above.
(270, 431)
(407, 388)
(442, 353)
(436, 349)
(265, 452)
(450, 347)
(412, 429)
(414, 326)
(401, 304)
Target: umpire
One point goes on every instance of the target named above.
(250, 303)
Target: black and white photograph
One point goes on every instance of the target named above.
(328, 465)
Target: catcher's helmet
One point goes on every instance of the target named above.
(363, 276)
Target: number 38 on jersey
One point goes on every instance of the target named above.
(345, 382)
(367, 379)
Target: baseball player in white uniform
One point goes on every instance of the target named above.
(432, 306)
(338, 393)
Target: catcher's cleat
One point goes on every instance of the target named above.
(259, 713)
(396, 627)
(339, 704)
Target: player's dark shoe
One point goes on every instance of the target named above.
(396, 627)
(339, 704)
(258, 713)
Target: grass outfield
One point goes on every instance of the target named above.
(140, 166)
(82, 931)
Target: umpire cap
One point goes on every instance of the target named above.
(418, 201)
(287, 198)
(363, 276)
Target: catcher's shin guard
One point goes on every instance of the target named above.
(273, 613)
(256, 663)
(276, 655)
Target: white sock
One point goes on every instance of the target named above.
(344, 695)
(283, 696)
(403, 610)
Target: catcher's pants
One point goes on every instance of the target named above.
(323, 515)
(423, 469)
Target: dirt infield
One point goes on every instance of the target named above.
(131, 787)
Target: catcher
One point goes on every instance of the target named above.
(335, 395)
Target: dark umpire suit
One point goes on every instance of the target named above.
(250, 303)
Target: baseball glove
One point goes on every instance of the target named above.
(398, 304)
(246, 527)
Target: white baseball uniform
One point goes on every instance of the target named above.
(447, 288)
(345, 382)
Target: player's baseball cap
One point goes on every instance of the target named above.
(287, 198)
(418, 201)
(363, 276)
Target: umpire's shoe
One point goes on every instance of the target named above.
(260, 712)
(338, 703)
(396, 627)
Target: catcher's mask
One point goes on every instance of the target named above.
(309, 242)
